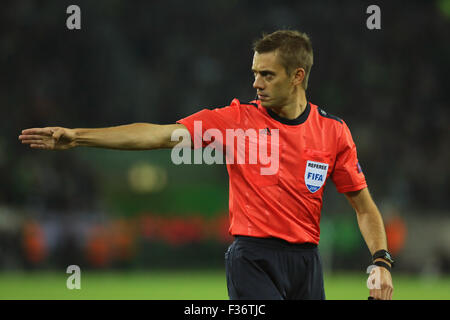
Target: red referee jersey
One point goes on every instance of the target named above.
(286, 204)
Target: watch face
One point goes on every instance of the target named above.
(388, 256)
(384, 255)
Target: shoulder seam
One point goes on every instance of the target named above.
(325, 114)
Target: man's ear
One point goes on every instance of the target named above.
(299, 75)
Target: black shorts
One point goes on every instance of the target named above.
(273, 269)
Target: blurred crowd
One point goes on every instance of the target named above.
(158, 61)
(91, 241)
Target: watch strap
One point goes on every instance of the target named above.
(383, 265)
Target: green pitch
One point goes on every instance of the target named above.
(179, 285)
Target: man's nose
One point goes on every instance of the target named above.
(258, 83)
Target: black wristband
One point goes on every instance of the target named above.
(382, 264)
(385, 255)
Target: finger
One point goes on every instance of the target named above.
(381, 293)
(39, 131)
(387, 293)
(384, 294)
(38, 146)
(31, 137)
(32, 142)
(377, 294)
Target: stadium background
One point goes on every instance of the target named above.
(142, 227)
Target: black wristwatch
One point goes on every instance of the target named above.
(385, 255)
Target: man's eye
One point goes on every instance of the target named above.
(265, 75)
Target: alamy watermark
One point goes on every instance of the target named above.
(374, 280)
(241, 147)
(73, 281)
(374, 20)
(73, 21)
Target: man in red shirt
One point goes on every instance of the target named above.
(275, 201)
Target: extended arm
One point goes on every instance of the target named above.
(369, 219)
(372, 229)
(136, 136)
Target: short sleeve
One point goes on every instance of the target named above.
(347, 174)
(220, 119)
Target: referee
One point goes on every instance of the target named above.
(274, 218)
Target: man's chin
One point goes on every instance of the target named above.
(265, 104)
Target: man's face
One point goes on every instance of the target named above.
(273, 86)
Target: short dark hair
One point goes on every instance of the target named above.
(294, 47)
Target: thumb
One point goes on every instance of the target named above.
(57, 134)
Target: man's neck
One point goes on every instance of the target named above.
(293, 109)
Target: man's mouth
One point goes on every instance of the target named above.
(262, 96)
